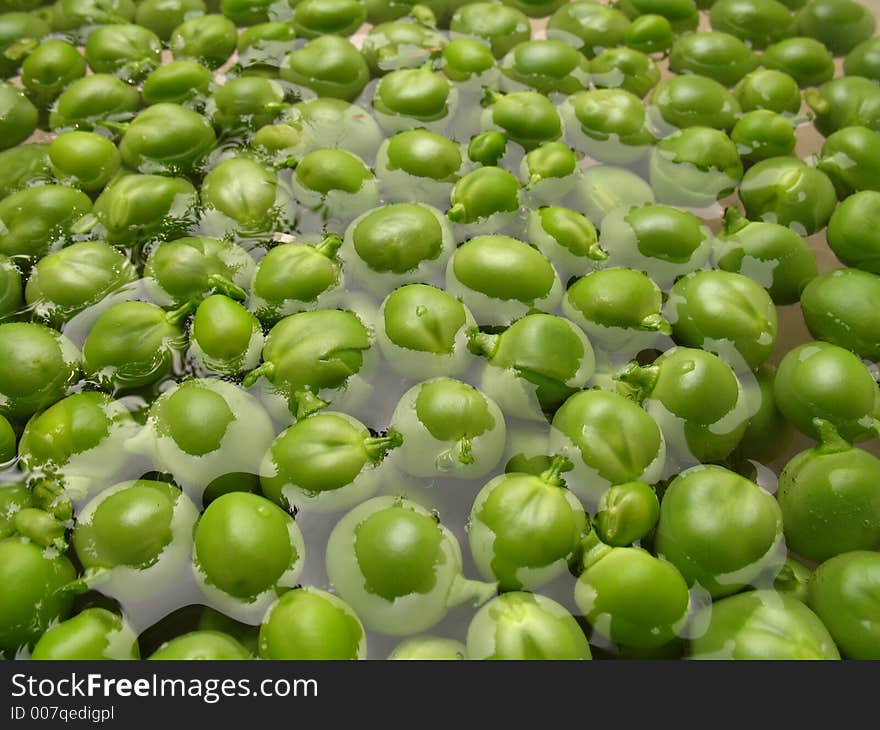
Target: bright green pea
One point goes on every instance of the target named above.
(24, 166)
(588, 26)
(839, 24)
(501, 27)
(603, 188)
(50, 68)
(166, 139)
(517, 626)
(20, 32)
(40, 364)
(178, 82)
(126, 50)
(843, 592)
(225, 337)
(525, 117)
(650, 33)
(34, 597)
(851, 158)
(769, 89)
(84, 160)
(263, 46)
(850, 101)
(824, 381)
(770, 254)
(610, 125)
(864, 60)
(19, 116)
(567, 238)
(841, 307)
(82, 15)
(466, 58)
(428, 648)
(720, 56)
(249, 12)
(414, 98)
(10, 288)
(335, 183)
(163, 16)
(625, 68)
(487, 148)
(787, 191)
(768, 435)
(14, 497)
(8, 447)
(689, 101)
(806, 60)
(309, 624)
(35, 220)
(830, 498)
(762, 134)
(95, 633)
(208, 39)
(201, 645)
(313, 18)
(248, 102)
(400, 44)
(853, 233)
(758, 22)
(483, 193)
(719, 529)
(627, 513)
(793, 579)
(761, 624)
(547, 66)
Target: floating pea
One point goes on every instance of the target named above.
(327, 66)
(94, 633)
(207, 39)
(336, 184)
(525, 117)
(166, 139)
(625, 68)
(501, 28)
(567, 238)
(414, 98)
(486, 199)
(627, 513)
(418, 166)
(225, 338)
(587, 26)
(546, 66)
(400, 44)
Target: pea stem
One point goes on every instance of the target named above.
(641, 380)
(467, 590)
(596, 253)
(482, 343)
(225, 286)
(466, 456)
(176, 316)
(457, 213)
(84, 224)
(304, 403)
(734, 221)
(592, 549)
(816, 101)
(329, 245)
(656, 323)
(40, 527)
(267, 370)
(830, 441)
(377, 447)
(553, 475)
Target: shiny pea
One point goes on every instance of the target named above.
(178, 82)
(126, 50)
(313, 18)
(399, 44)
(525, 117)
(207, 39)
(806, 60)
(688, 101)
(650, 33)
(851, 158)
(762, 134)
(328, 66)
(759, 22)
(587, 26)
(35, 220)
(225, 337)
(501, 27)
(93, 99)
(84, 160)
(547, 66)
(167, 139)
(625, 68)
(839, 24)
(853, 231)
(720, 56)
(50, 68)
(19, 118)
(864, 60)
(163, 16)
(768, 89)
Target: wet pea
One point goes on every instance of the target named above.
(163, 16)
(625, 68)
(84, 160)
(720, 56)
(587, 26)
(207, 39)
(758, 22)
(93, 99)
(38, 219)
(806, 60)
(19, 118)
(178, 82)
(128, 51)
(50, 68)
(328, 66)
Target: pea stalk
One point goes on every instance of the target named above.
(636, 381)
(466, 590)
(40, 527)
(378, 446)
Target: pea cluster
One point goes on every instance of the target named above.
(287, 319)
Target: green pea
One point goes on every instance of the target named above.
(567, 238)
(863, 60)
(758, 22)
(201, 645)
(762, 134)
(381, 11)
(501, 278)
(627, 513)
(768, 434)
(418, 166)
(695, 167)
(840, 307)
(609, 440)
(487, 148)
(851, 158)
(163, 16)
(761, 624)
(84, 160)
(587, 26)
(618, 308)
(82, 15)
(682, 14)
(769, 89)
(603, 188)
(850, 101)
(249, 12)
(547, 66)
(126, 50)
(312, 357)
(10, 288)
(248, 102)
(719, 529)
(428, 648)
(720, 56)
(334, 123)
(50, 68)
(519, 626)
(466, 58)
(91, 100)
(310, 624)
(35, 220)
(19, 33)
(335, 183)
(824, 381)
(830, 498)
(400, 44)
(263, 46)
(295, 277)
(841, 592)
(313, 18)
(77, 277)
(422, 332)
(793, 579)
(525, 117)
(650, 33)
(14, 497)
(398, 567)
(19, 118)
(787, 191)
(133, 344)
(852, 231)
(95, 633)
(625, 68)
(35, 596)
(178, 82)
(325, 463)
(225, 337)
(806, 60)
(500, 26)
(610, 125)
(408, 98)
(695, 101)
(8, 449)
(208, 39)
(508, 540)
(23, 166)
(840, 25)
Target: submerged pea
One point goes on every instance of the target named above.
(39, 219)
(50, 68)
(207, 39)
(418, 166)
(335, 184)
(501, 27)
(587, 26)
(609, 125)
(225, 337)
(567, 238)
(328, 66)
(126, 50)
(625, 68)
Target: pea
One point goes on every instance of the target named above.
(701, 509)
(380, 11)
(762, 624)
(10, 288)
(324, 463)
(850, 101)
(91, 100)
(35, 597)
(768, 435)
(422, 332)
(603, 188)
(264, 45)
(839, 307)
(168, 139)
(40, 365)
(695, 101)
(627, 513)
(465, 59)
(567, 238)
(841, 591)
(409, 98)
(398, 567)
(201, 645)
(758, 22)
(36, 220)
(334, 123)
(821, 380)
(864, 60)
(501, 27)
(309, 624)
(163, 16)
(762, 134)
(50, 68)
(719, 56)
(787, 191)
(428, 648)
(769, 89)
(19, 118)
(249, 12)
(840, 25)
(207, 39)
(609, 125)
(247, 102)
(487, 148)
(650, 33)
(851, 158)
(587, 26)
(829, 498)
(618, 308)
(517, 626)
(625, 68)
(81, 15)
(400, 44)
(94, 633)
(126, 50)
(19, 33)
(485, 199)
(525, 117)
(7, 454)
(547, 66)
(84, 160)
(23, 166)
(772, 255)
(336, 184)
(806, 60)
(178, 82)
(225, 337)
(793, 579)
(313, 18)
(852, 231)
